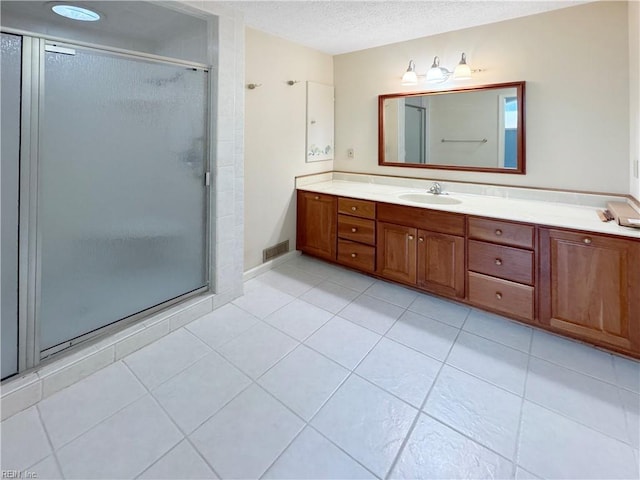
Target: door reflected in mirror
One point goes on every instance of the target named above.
(476, 128)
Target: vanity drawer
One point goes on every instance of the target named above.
(423, 218)
(356, 255)
(506, 233)
(509, 263)
(501, 295)
(357, 208)
(357, 229)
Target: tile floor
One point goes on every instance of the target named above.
(319, 372)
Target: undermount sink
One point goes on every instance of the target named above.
(429, 198)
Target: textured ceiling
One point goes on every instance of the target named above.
(337, 27)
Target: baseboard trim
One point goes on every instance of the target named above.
(266, 266)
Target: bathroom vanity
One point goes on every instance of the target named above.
(549, 264)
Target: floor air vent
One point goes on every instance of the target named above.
(275, 251)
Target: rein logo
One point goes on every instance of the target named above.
(18, 474)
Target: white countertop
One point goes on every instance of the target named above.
(553, 214)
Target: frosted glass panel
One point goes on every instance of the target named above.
(122, 200)
(10, 121)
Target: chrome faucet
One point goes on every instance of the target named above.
(436, 188)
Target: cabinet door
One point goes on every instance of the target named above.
(317, 220)
(590, 287)
(441, 263)
(396, 252)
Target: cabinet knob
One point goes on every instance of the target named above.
(354, 229)
(353, 209)
(410, 237)
(316, 197)
(498, 295)
(498, 261)
(587, 241)
(420, 239)
(498, 232)
(354, 255)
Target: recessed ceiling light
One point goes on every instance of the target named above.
(76, 13)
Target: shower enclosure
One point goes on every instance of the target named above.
(104, 190)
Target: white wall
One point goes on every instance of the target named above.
(575, 63)
(634, 98)
(275, 137)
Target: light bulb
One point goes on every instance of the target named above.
(435, 73)
(462, 70)
(410, 77)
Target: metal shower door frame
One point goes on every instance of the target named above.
(29, 240)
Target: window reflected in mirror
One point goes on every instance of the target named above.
(508, 127)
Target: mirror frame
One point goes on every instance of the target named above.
(520, 166)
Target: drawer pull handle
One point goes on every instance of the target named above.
(316, 197)
(498, 295)
(353, 209)
(420, 239)
(498, 261)
(354, 255)
(354, 230)
(587, 241)
(410, 237)
(498, 232)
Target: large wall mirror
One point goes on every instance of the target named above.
(472, 128)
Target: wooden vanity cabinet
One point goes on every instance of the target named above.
(421, 247)
(397, 252)
(501, 260)
(357, 233)
(441, 263)
(317, 224)
(590, 287)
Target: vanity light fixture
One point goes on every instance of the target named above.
(438, 74)
(410, 77)
(75, 12)
(462, 70)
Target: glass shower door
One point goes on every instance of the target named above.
(122, 198)
(414, 134)
(11, 69)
